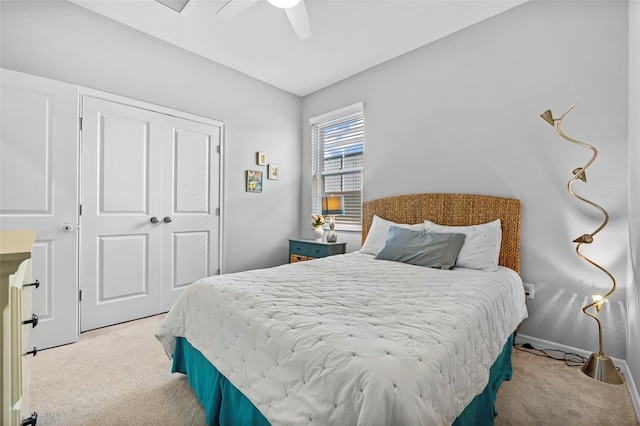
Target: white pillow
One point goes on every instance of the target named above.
(378, 234)
(481, 247)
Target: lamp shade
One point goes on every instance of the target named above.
(333, 204)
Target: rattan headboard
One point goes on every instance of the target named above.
(456, 210)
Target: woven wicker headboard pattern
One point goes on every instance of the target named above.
(455, 210)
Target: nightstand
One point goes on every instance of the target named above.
(301, 250)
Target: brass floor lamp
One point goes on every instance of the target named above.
(598, 366)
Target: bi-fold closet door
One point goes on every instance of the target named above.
(149, 223)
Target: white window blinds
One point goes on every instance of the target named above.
(337, 160)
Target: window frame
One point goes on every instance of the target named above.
(317, 171)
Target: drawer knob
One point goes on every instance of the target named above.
(35, 284)
(33, 321)
(33, 352)
(31, 421)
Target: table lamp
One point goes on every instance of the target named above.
(332, 205)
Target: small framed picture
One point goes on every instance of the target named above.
(254, 181)
(273, 171)
(261, 158)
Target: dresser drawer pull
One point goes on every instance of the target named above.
(33, 321)
(35, 284)
(34, 352)
(31, 421)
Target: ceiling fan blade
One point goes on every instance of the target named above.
(233, 7)
(176, 5)
(299, 19)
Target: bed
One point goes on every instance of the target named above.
(358, 338)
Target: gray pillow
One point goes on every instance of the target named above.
(431, 249)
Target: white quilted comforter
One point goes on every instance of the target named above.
(348, 339)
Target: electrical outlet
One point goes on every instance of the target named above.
(528, 290)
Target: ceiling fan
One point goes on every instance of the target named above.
(295, 9)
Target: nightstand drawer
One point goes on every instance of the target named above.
(301, 250)
(319, 251)
(298, 247)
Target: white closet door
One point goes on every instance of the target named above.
(39, 190)
(121, 183)
(191, 195)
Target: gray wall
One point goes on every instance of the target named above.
(462, 115)
(633, 290)
(65, 42)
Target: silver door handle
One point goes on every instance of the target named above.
(167, 219)
(154, 220)
(66, 227)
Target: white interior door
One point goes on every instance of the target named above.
(39, 190)
(120, 194)
(191, 169)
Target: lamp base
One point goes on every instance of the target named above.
(332, 237)
(600, 367)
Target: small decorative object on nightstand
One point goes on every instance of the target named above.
(301, 250)
(317, 225)
(331, 206)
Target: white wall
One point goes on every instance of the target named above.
(65, 42)
(633, 289)
(462, 115)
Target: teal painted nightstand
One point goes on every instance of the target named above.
(301, 250)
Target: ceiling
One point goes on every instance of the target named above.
(347, 36)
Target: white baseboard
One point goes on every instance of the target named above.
(620, 363)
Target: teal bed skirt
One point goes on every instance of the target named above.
(225, 405)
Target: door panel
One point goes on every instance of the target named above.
(121, 190)
(192, 167)
(191, 190)
(42, 267)
(124, 144)
(123, 262)
(39, 190)
(191, 258)
(26, 151)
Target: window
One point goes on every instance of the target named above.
(337, 158)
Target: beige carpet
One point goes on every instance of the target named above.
(120, 376)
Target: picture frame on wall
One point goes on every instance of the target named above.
(273, 172)
(261, 158)
(253, 181)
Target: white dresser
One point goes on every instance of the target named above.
(17, 319)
